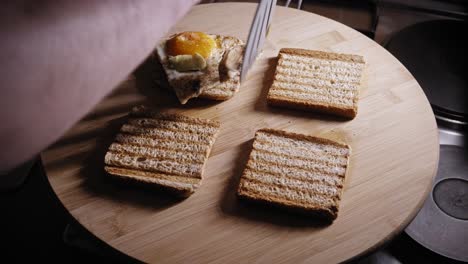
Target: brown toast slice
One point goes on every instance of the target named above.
(316, 80)
(215, 82)
(167, 150)
(294, 171)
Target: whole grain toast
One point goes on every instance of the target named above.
(166, 150)
(294, 171)
(316, 80)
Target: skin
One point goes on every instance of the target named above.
(59, 58)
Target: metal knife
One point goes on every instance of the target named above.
(258, 32)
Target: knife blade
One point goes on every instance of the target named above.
(257, 34)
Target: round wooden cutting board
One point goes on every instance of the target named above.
(395, 154)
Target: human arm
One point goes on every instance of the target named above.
(58, 58)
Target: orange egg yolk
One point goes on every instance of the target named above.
(189, 43)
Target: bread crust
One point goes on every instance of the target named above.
(304, 105)
(144, 111)
(156, 179)
(323, 55)
(298, 136)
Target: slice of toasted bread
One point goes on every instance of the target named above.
(317, 80)
(167, 150)
(295, 171)
(215, 82)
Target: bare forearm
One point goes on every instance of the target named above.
(59, 58)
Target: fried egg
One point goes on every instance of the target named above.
(191, 43)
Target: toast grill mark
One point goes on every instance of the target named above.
(293, 170)
(327, 82)
(185, 146)
(295, 173)
(165, 150)
(153, 164)
(160, 153)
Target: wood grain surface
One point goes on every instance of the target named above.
(394, 140)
